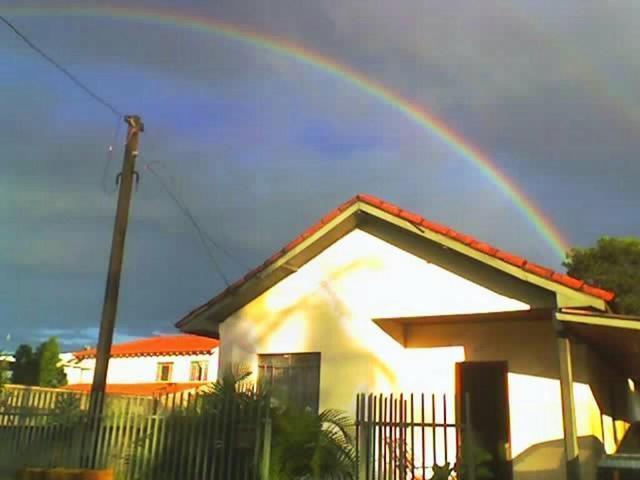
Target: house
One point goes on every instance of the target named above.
(149, 366)
(376, 299)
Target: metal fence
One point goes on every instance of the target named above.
(16, 399)
(34, 399)
(404, 437)
(192, 436)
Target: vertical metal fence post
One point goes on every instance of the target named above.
(266, 450)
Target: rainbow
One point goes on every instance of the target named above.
(286, 48)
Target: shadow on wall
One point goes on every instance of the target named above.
(315, 317)
(545, 461)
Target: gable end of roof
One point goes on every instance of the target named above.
(421, 223)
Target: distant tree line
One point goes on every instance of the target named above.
(40, 367)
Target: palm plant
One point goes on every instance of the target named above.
(308, 445)
(232, 388)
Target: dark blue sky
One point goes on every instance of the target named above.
(260, 146)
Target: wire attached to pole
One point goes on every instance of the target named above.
(109, 159)
(62, 69)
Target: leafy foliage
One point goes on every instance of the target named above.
(40, 367)
(232, 387)
(613, 264)
(304, 444)
(5, 395)
(4, 371)
(226, 419)
(25, 370)
(67, 410)
(442, 472)
(50, 374)
(308, 445)
(477, 457)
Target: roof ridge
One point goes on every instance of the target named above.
(172, 344)
(417, 220)
(512, 259)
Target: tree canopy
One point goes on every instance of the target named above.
(4, 370)
(40, 367)
(613, 264)
(50, 374)
(24, 368)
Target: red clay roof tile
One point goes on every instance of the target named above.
(391, 208)
(435, 227)
(411, 217)
(460, 237)
(160, 345)
(567, 280)
(538, 270)
(510, 258)
(485, 248)
(370, 199)
(597, 292)
(330, 216)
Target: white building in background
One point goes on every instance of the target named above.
(6, 359)
(154, 365)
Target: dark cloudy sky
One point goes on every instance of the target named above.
(260, 146)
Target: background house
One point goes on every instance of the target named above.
(160, 364)
(374, 299)
(6, 360)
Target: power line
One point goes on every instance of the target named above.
(62, 69)
(204, 236)
(112, 146)
(213, 242)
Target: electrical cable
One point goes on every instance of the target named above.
(213, 242)
(201, 234)
(109, 158)
(62, 69)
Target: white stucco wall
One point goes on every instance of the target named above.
(143, 369)
(328, 306)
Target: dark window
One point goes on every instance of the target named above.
(198, 371)
(164, 372)
(294, 377)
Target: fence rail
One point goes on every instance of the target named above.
(403, 437)
(193, 436)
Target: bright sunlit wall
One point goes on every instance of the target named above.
(327, 306)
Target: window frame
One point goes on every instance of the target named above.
(287, 363)
(159, 367)
(203, 370)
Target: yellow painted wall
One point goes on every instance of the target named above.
(328, 306)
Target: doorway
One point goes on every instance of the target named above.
(482, 402)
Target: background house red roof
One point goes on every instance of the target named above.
(420, 222)
(160, 345)
(140, 389)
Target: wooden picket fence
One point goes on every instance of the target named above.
(401, 437)
(191, 436)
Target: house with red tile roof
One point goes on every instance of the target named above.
(375, 299)
(158, 365)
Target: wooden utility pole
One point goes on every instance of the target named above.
(110, 306)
